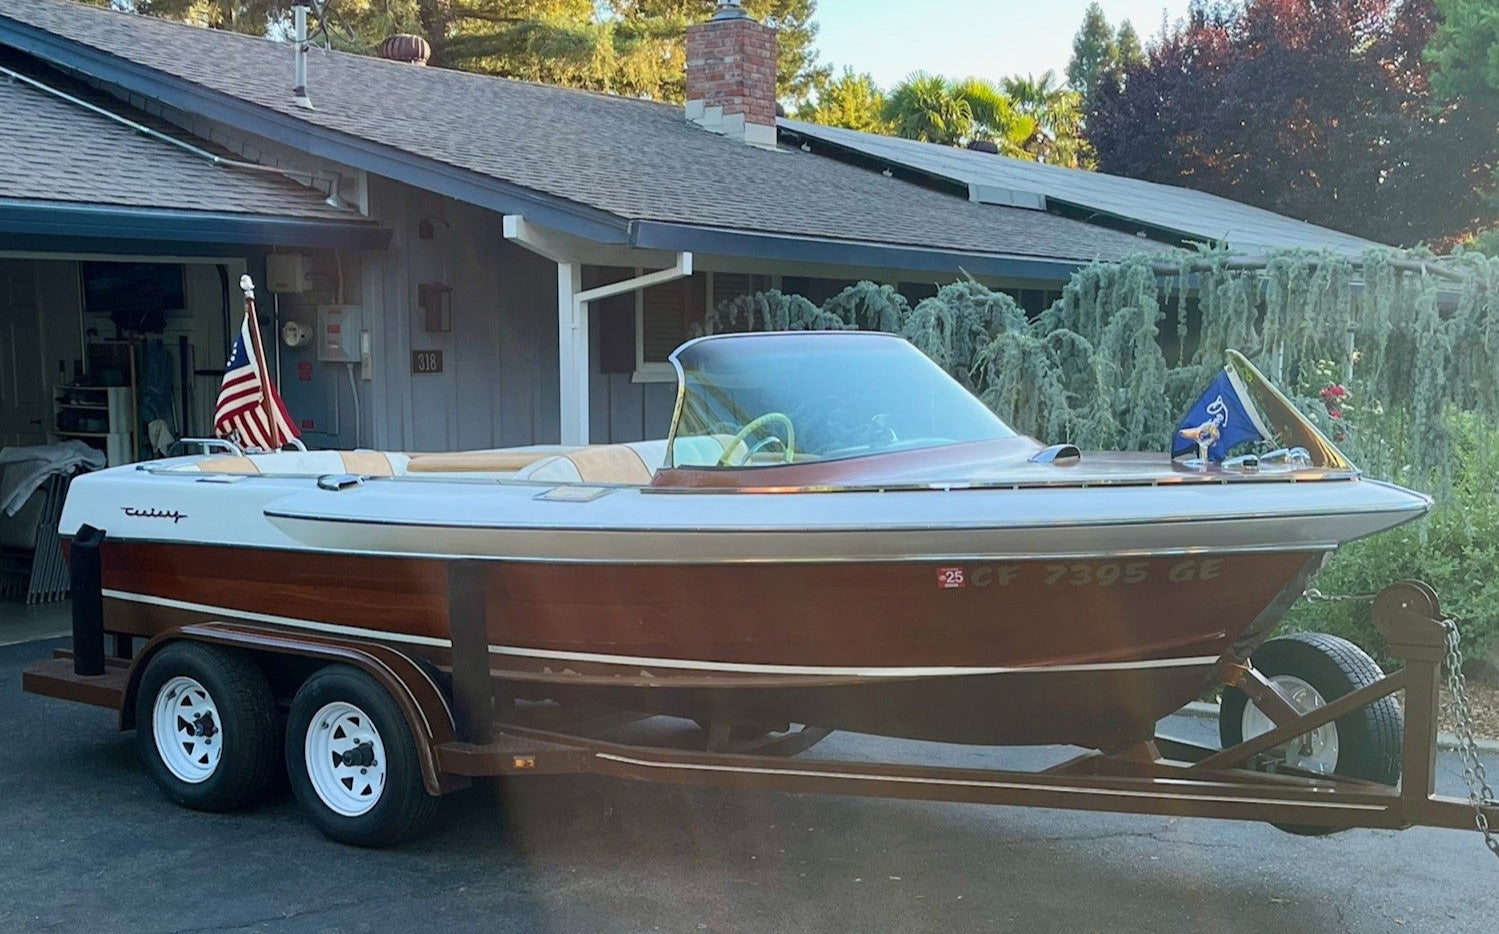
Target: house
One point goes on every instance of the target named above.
(459, 261)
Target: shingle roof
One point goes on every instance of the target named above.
(634, 159)
(57, 151)
(996, 179)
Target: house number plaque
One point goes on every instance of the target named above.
(426, 361)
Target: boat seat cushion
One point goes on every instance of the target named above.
(632, 464)
(498, 461)
(598, 463)
(303, 463)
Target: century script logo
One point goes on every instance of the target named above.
(172, 514)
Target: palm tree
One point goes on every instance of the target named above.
(996, 118)
(1058, 113)
(927, 107)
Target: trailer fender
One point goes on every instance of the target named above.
(428, 714)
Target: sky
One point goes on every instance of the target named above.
(958, 38)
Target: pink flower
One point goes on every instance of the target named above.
(1335, 391)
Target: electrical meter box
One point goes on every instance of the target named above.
(338, 329)
(288, 272)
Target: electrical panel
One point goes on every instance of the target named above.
(288, 272)
(338, 328)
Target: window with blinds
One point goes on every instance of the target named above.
(728, 286)
(673, 312)
(667, 314)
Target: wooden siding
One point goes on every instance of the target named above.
(499, 381)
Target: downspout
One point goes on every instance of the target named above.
(572, 317)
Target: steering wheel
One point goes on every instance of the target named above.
(756, 424)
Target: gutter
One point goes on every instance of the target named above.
(40, 222)
(664, 235)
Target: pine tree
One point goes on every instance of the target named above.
(1464, 51)
(1127, 47)
(1093, 51)
(631, 47)
(852, 101)
(797, 75)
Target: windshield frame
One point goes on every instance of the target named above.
(1003, 429)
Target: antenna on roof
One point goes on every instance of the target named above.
(299, 23)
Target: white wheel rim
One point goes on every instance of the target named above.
(1316, 751)
(345, 759)
(187, 728)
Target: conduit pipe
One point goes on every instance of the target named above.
(141, 128)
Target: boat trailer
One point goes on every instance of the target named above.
(474, 730)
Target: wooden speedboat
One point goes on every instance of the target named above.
(834, 533)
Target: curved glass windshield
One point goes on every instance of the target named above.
(791, 397)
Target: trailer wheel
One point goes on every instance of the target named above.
(1312, 668)
(352, 760)
(206, 724)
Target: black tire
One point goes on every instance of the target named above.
(1369, 739)
(402, 808)
(247, 726)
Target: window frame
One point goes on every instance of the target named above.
(662, 371)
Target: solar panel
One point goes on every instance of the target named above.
(992, 179)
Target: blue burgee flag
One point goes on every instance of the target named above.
(1224, 417)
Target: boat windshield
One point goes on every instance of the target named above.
(788, 397)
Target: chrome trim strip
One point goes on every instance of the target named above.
(951, 526)
(850, 671)
(1274, 475)
(1183, 551)
(636, 662)
(291, 621)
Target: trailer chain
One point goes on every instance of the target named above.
(1313, 595)
(1480, 795)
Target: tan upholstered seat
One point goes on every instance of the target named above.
(300, 463)
(367, 463)
(474, 461)
(610, 463)
(229, 463)
(599, 463)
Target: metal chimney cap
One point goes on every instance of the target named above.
(730, 9)
(404, 47)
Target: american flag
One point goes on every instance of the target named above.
(241, 413)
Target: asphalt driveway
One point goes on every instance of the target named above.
(86, 843)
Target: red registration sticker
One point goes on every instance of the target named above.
(951, 578)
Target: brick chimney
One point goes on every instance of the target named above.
(731, 75)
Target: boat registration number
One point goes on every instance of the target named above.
(1081, 574)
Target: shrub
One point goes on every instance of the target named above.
(1455, 549)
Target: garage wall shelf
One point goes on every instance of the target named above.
(97, 415)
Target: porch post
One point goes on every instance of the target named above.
(572, 304)
(572, 354)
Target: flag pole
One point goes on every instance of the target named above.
(272, 430)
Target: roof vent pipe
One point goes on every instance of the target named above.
(299, 90)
